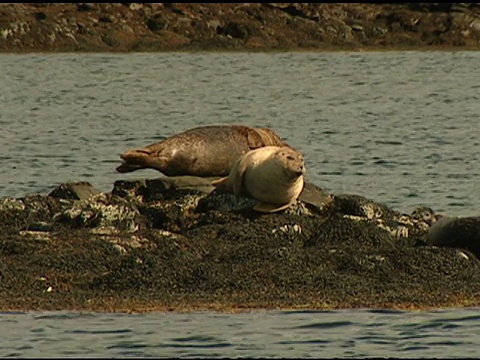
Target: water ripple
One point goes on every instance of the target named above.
(380, 124)
(372, 333)
(324, 325)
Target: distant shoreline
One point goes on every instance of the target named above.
(257, 51)
(233, 27)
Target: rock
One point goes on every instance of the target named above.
(194, 183)
(235, 30)
(225, 202)
(40, 15)
(359, 208)
(8, 204)
(314, 195)
(75, 191)
(157, 22)
(173, 242)
(159, 188)
(86, 6)
(246, 26)
(107, 18)
(109, 213)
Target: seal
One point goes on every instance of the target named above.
(273, 175)
(202, 151)
(425, 215)
(456, 232)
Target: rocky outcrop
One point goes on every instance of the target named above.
(175, 243)
(236, 26)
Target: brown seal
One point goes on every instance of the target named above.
(202, 151)
(273, 175)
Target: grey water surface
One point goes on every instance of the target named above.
(401, 128)
(341, 333)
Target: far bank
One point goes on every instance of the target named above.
(259, 27)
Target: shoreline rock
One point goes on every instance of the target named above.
(139, 27)
(174, 244)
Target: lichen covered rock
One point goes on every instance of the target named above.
(163, 243)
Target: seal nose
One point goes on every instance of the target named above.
(301, 170)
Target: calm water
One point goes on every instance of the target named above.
(360, 333)
(400, 128)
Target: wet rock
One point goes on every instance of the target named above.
(225, 202)
(75, 191)
(173, 242)
(163, 187)
(108, 213)
(23, 212)
(171, 215)
(176, 184)
(131, 188)
(314, 196)
(359, 208)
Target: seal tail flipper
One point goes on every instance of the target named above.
(220, 183)
(270, 208)
(126, 167)
(137, 159)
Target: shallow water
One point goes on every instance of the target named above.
(400, 128)
(343, 333)
(397, 127)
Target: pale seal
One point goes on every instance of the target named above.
(202, 151)
(272, 175)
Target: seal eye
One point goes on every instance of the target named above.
(290, 157)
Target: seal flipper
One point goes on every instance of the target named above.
(238, 176)
(144, 158)
(126, 167)
(221, 183)
(270, 208)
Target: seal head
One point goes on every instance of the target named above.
(272, 175)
